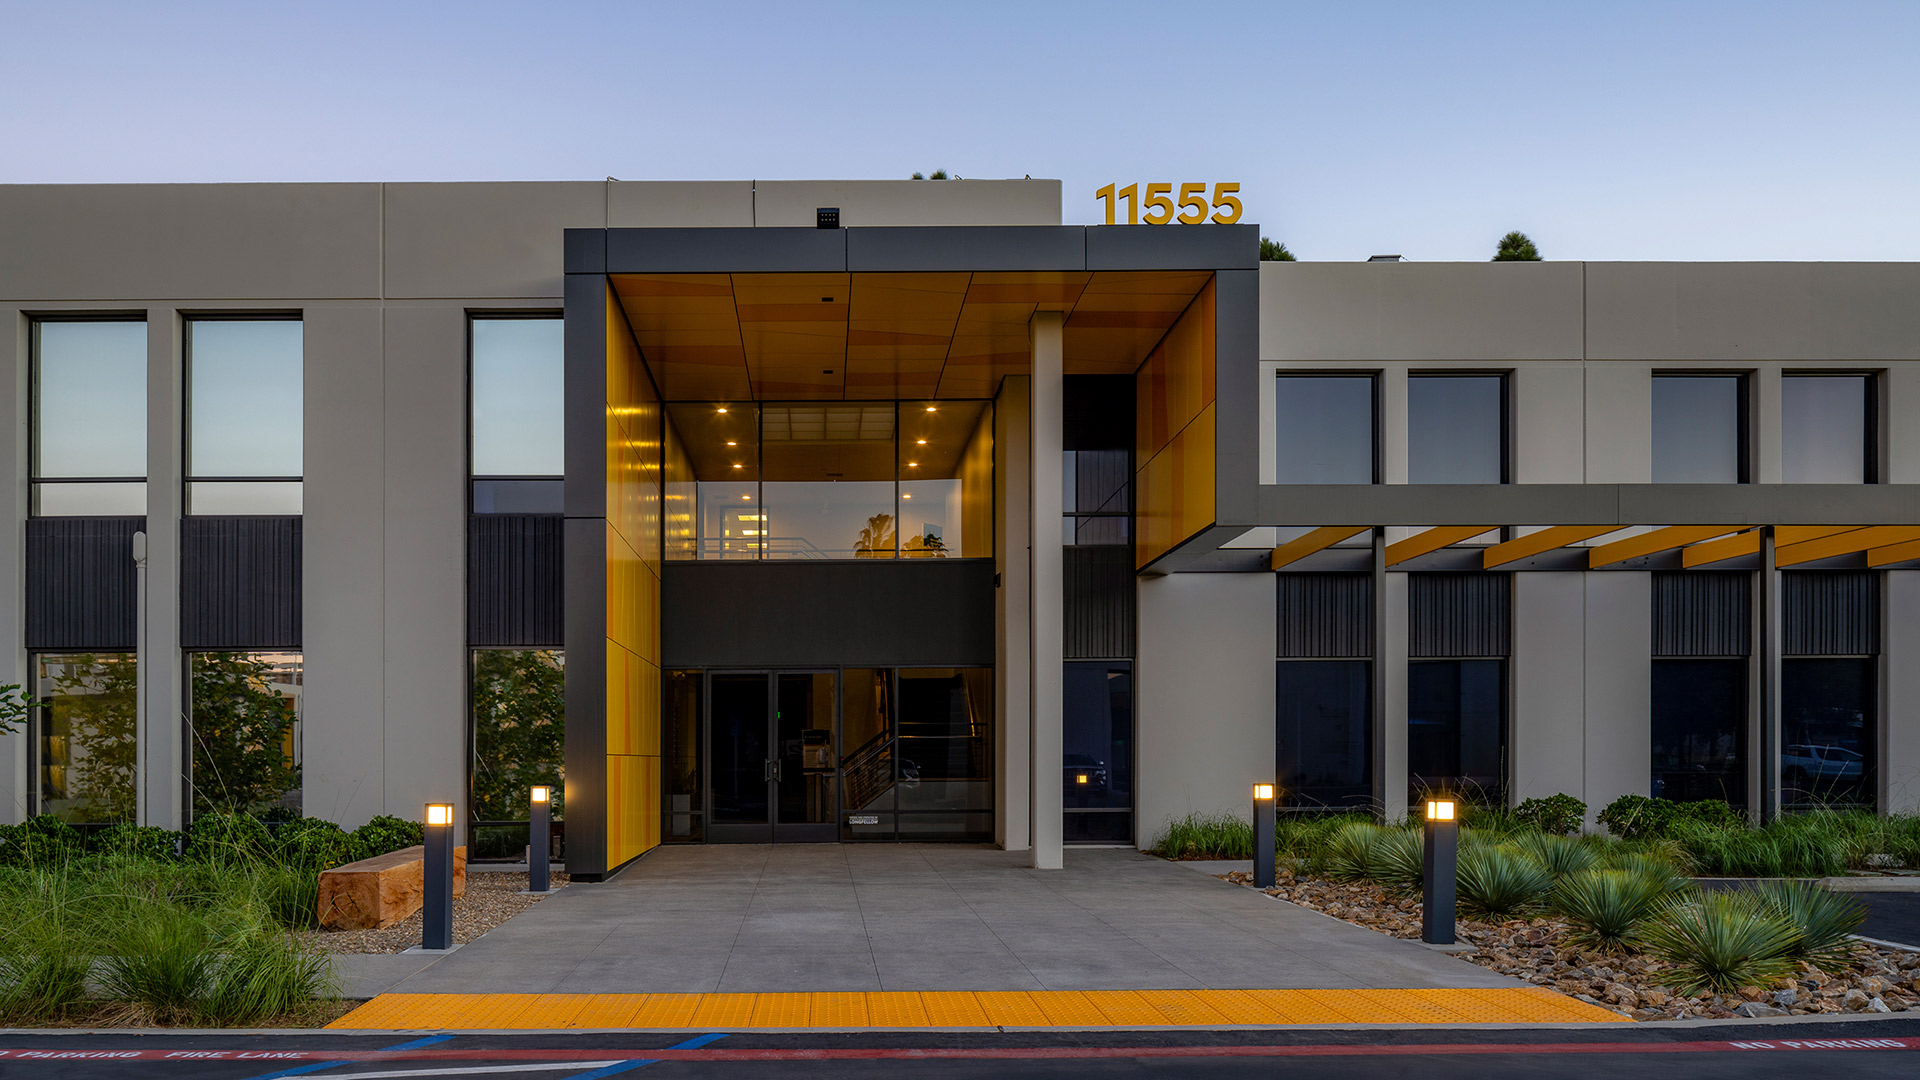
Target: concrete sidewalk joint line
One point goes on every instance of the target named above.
(973, 1009)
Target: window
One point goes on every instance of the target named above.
(827, 481)
(243, 416)
(1699, 716)
(1324, 429)
(89, 418)
(1323, 733)
(1456, 728)
(1827, 431)
(245, 731)
(1096, 469)
(518, 399)
(1456, 429)
(945, 753)
(680, 758)
(946, 479)
(1828, 718)
(86, 743)
(1699, 429)
(1097, 737)
(518, 740)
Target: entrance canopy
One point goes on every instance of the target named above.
(1601, 547)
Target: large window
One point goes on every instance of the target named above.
(1456, 429)
(1324, 429)
(518, 740)
(1699, 719)
(830, 480)
(1096, 469)
(1829, 713)
(1323, 733)
(245, 731)
(945, 753)
(1699, 429)
(1097, 735)
(86, 737)
(89, 418)
(1827, 431)
(1456, 728)
(518, 398)
(244, 452)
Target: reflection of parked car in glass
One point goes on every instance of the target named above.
(1804, 761)
(1085, 773)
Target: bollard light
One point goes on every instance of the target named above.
(539, 837)
(436, 909)
(1438, 871)
(1263, 810)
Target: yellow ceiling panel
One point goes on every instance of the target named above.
(790, 288)
(1024, 293)
(1123, 319)
(1025, 277)
(809, 313)
(697, 354)
(673, 285)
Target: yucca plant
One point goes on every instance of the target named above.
(1721, 941)
(1395, 860)
(1348, 854)
(1607, 908)
(1500, 881)
(1561, 855)
(1824, 921)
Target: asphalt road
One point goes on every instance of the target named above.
(1881, 1048)
(1892, 917)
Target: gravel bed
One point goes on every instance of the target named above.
(1882, 981)
(492, 897)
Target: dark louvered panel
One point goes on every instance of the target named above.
(1458, 615)
(1702, 613)
(1325, 616)
(513, 580)
(1830, 613)
(81, 583)
(1099, 602)
(240, 582)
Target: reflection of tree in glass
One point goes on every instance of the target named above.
(242, 731)
(92, 707)
(519, 730)
(876, 540)
(929, 546)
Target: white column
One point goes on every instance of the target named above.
(161, 693)
(1011, 647)
(1900, 727)
(1048, 602)
(1393, 710)
(1618, 758)
(13, 510)
(1548, 744)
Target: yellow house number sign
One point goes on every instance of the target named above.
(1193, 205)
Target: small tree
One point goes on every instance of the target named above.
(1274, 251)
(13, 707)
(519, 730)
(243, 758)
(1515, 247)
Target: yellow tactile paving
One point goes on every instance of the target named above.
(964, 1009)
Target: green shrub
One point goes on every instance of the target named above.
(227, 838)
(1721, 941)
(160, 958)
(137, 842)
(1824, 921)
(1500, 881)
(1394, 860)
(40, 841)
(1560, 815)
(1560, 855)
(312, 843)
(1713, 813)
(1636, 817)
(1608, 907)
(1192, 837)
(388, 833)
(290, 895)
(259, 977)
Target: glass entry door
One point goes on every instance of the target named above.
(771, 743)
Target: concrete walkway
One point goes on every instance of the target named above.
(922, 918)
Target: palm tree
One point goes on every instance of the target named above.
(1515, 247)
(876, 540)
(1274, 251)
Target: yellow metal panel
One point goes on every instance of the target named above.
(1318, 540)
(1844, 543)
(1894, 553)
(1748, 543)
(1525, 547)
(1430, 540)
(1651, 543)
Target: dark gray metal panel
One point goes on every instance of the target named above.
(240, 582)
(514, 580)
(586, 395)
(1188, 247)
(1702, 613)
(1099, 602)
(726, 251)
(1326, 616)
(1237, 410)
(1769, 504)
(585, 574)
(1451, 615)
(586, 251)
(81, 583)
(883, 613)
(1584, 504)
(1831, 613)
(967, 247)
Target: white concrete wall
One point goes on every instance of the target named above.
(1900, 724)
(1203, 697)
(13, 557)
(1547, 717)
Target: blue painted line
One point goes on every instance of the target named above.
(694, 1043)
(302, 1070)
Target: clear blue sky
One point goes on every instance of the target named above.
(1606, 130)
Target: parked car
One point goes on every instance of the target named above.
(1808, 761)
(1085, 773)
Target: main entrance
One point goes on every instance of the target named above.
(771, 739)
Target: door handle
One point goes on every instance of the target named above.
(766, 769)
(778, 767)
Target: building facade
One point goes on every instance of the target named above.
(733, 506)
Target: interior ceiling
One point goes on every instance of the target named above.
(734, 337)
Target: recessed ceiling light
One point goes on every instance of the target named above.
(746, 498)
(921, 442)
(723, 408)
(929, 409)
(730, 442)
(910, 465)
(737, 465)
(907, 495)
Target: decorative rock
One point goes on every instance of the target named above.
(375, 893)
(1752, 1009)
(1655, 998)
(1875, 985)
(1855, 999)
(1786, 998)
(1622, 994)
(1876, 1005)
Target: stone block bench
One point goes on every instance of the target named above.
(375, 893)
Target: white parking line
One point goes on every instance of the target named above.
(473, 1070)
